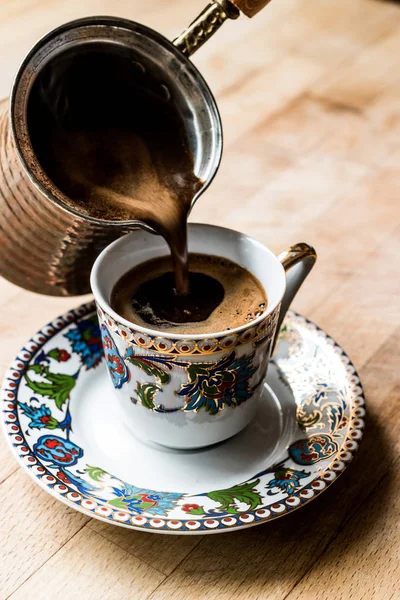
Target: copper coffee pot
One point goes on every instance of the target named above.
(46, 246)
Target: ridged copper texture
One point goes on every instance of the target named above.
(43, 248)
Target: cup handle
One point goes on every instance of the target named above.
(297, 262)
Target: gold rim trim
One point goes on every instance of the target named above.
(187, 347)
(297, 253)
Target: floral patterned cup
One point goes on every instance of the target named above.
(187, 391)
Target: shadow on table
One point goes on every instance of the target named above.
(286, 547)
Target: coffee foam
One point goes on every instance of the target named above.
(244, 299)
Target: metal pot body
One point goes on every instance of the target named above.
(45, 245)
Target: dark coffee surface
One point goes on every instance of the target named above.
(111, 140)
(222, 296)
(157, 303)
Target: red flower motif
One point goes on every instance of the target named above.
(45, 419)
(190, 507)
(116, 363)
(149, 499)
(67, 458)
(63, 355)
(119, 368)
(309, 457)
(52, 443)
(63, 477)
(59, 354)
(108, 342)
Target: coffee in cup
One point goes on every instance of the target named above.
(222, 296)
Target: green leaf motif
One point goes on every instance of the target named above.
(57, 387)
(308, 421)
(118, 503)
(52, 423)
(124, 502)
(146, 393)
(196, 511)
(197, 369)
(229, 498)
(87, 332)
(95, 473)
(149, 367)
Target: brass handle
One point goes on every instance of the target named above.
(297, 262)
(204, 27)
(211, 19)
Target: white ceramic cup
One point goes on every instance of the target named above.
(189, 391)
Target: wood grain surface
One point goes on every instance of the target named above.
(309, 93)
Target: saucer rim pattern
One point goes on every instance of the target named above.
(41, 475)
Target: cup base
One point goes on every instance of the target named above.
(198, 435)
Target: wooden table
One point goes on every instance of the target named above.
(309, 93)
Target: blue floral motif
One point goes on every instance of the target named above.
(215, 385)
(40, 416)
(116, 365)
(139, 500)
(286, 480)
(58, 451)
(313, 449)
(85, 340)
(41, 357)
(165, 503)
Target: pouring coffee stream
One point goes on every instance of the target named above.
(118, 154)
(52, 228)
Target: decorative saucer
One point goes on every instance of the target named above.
(64, 427)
